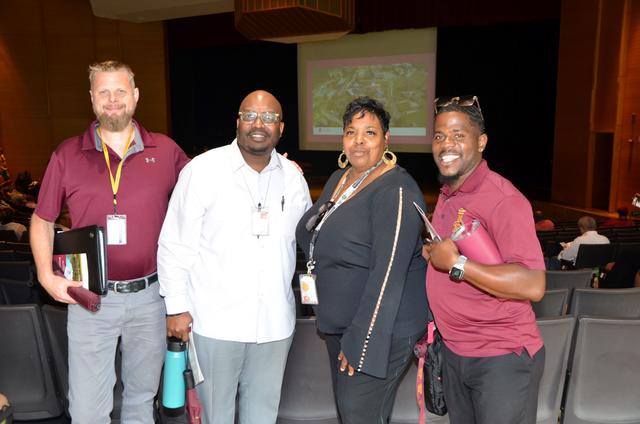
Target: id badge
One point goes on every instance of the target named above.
(260, 222)
(308, 293)
(116, 229)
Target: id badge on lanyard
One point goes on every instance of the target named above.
(308, 293)
(260, 221)
(116, 229)
(116, 223)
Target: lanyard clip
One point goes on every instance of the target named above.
(310, 266)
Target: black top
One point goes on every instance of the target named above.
(369, 251)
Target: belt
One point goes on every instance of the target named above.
(133, 286)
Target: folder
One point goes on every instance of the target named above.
(81, 255)
(473, 241)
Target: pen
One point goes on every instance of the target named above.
(282, 203)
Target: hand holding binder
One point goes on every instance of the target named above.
(80, 255)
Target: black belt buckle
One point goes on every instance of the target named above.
(126, 287)
(132, 286)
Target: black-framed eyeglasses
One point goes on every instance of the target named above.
(265, 117)
(315, 219)
(466, 101)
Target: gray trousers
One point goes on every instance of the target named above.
(493, 390)
(251, 370)
(139, 320)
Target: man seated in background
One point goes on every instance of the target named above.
(542, 223)
(7, 222)
(588, 235)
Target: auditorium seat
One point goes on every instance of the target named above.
(553, 304)
(26, 375)
(610, 303)
(8, 235)
(570, 279)
(55, 324)
(593, 255)
(18, 283)
(557, 335)
(604, 385)
(307, 394)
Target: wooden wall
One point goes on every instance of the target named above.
(45, 49)
(626, 163)
(594, 164)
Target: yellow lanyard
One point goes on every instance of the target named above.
(115, 183)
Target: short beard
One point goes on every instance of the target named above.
(448, 179)
(114, 123)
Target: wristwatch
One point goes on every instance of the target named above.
(456, 273)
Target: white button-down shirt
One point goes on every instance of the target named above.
(570, 252)
(236, 285)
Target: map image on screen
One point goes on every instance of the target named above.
(401, 87)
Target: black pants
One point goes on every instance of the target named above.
(361, 398)
(492, 390)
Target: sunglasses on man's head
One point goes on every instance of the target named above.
(465, 101)
(265, 117)
(314, 220)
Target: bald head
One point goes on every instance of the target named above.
(261, 97)
(587, 223)
(258, 130)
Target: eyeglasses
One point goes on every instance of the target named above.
(314, 220)
(466, 101)
(265, 117)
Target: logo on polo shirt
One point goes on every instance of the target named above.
(150, 160)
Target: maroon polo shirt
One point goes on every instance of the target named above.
(77, 176)
(472, 322)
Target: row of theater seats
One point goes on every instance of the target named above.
(550, 240)
(602, 357)
(569, 292)
(12, 237)
(598, 377)
(602, 387)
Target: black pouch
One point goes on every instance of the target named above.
(429, 351)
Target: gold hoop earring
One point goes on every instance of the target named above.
(343, 162)
(388, 157)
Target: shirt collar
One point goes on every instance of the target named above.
(472, 182)
(92, 140)
(237, 161)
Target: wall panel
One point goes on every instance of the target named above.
(45, 49)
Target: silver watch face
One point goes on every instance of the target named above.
(456, 273)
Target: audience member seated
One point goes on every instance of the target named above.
(624, 272)
(623, 219)
(588, 235)
(6, 222)
(543, 223)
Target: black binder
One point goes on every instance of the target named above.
(90, 240)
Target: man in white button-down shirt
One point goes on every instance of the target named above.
(226, 259)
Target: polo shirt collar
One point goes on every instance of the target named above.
(473, 181)
(91, 139)
(237, 161)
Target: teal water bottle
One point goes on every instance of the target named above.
(173, 387)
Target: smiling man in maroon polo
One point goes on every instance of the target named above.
(130, 204)
(494, 355)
